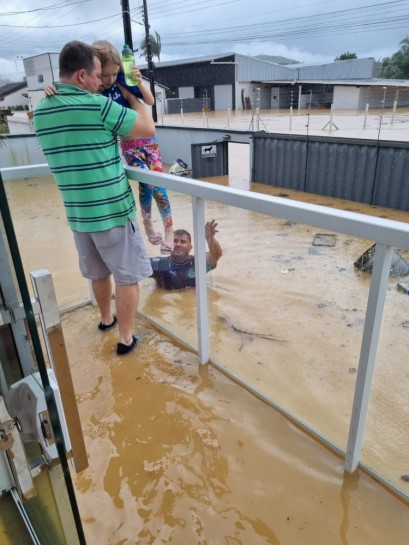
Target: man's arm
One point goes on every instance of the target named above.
(215, 250)
(144, 127)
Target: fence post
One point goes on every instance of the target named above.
(395, 103)
(331, 120)
(366, 114)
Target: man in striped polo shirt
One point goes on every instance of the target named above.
(78, 131)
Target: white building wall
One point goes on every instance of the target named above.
(186, 92)
(346, 97)
(246, 91)
(223, 97)
(35, 97)
(41, 70)
(15, 99)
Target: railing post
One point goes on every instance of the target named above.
(202, 313)
(55, 344)
(366, 115)
(373, 319)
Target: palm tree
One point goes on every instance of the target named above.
(155, 45)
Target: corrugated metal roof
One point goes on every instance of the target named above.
(253, 69)
(401, 83)
(188, 61)
(349, 69)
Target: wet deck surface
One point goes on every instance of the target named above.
(181, 454)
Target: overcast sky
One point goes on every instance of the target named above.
(306, 31)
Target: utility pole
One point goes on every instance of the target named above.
(149, 59)
(126, 18)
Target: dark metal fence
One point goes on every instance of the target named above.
(369, 171)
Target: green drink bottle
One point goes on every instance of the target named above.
(128, 62)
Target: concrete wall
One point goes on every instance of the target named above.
(175, 143)
(21, 150)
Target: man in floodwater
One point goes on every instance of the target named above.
(177, 271)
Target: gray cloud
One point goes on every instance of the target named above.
(314, 31)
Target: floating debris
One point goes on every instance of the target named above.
(399, 266)
(324, 239)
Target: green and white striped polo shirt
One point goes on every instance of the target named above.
(78, 132)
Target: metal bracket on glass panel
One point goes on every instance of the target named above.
(11, 314)
(13, 447)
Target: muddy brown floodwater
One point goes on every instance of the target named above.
(178, 452)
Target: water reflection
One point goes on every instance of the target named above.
(350, 484)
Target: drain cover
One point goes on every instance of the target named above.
(323, 239)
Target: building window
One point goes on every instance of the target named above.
(40, 78)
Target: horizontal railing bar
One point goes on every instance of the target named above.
(389, 232)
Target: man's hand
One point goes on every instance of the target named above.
(215, 250)
(211, 230)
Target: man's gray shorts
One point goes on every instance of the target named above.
(119, 251)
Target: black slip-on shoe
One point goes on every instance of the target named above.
(122, 349)
(104, 327)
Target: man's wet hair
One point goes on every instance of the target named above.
(76, 56)
(181, 232)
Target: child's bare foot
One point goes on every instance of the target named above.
(153, 237)
(167, 245)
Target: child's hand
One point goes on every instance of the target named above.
(136, 72)
(50, 90)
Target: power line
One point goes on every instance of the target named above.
(64, 3)
(375, 17)
(61, 26)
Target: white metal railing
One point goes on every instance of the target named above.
(387, 234)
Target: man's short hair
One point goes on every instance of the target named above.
(181, 232)
(76, 56)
